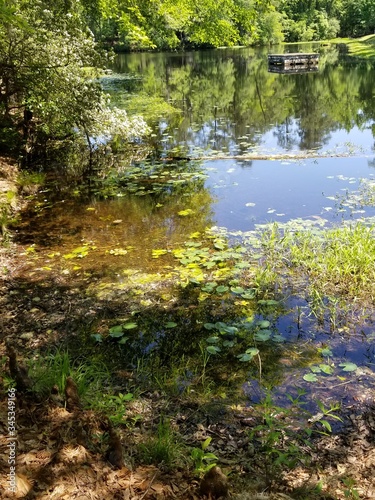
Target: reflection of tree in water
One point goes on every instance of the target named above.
(228, 100)
(286, 134)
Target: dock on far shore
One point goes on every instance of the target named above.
(293, 59)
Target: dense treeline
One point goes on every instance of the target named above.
(172, 24)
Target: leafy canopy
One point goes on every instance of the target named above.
(49, 64)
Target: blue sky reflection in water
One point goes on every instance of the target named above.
(262, 191)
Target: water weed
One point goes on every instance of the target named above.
(276, 441)
(334, 263)
(350, 490)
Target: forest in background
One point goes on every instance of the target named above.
(179, 24)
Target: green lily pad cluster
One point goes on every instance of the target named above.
(218, 259)
(78, 253)
(212, 265)
(117, 332)
(226, 335)
(327, 369)
(152, 177)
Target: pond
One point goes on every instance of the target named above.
(227, 103)
(237, 148)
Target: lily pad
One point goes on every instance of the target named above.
(248, 295)
(348, 367)
(97, 337)
(170, 324)
(158, 252)
(123, 340)
(212, 340)
(326, 352)
(263, 335)
(129, 326)
(184, 213)
(115, 329)
(209, 326)
(248, 354)
(213, 349)
(264, 324)
(326, 369)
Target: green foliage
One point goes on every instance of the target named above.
(349, 491)
(53, 369)
(170, 24)
(305, 21)
(269, 29)
(30, 182)
(113, 405)
(339, 263)
(45, 88)
(276, 440)
(203, 460)
(163, 448)
(327, 413)
(358, 17)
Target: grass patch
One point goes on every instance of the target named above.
(335, 268)
(363, 47)
(52, 370)
(340, 262)
(163, 448)
(30, 182)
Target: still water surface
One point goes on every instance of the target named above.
(229, 103)
(231, 106)
(315, 134)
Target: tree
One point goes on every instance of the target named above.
(169, 24)
(310, 19)
(46, 90)
(358, 17)
(269, 28)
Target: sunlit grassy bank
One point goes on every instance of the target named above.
(363, 47)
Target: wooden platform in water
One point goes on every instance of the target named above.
(293, 59)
